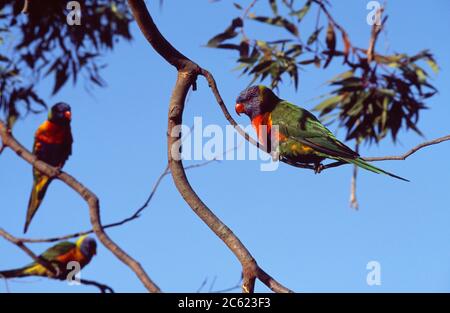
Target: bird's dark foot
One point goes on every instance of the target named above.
(318, 167)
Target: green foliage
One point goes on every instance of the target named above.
(48, 46)
(370, 99)
(264, 59)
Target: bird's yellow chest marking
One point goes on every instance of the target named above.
(298, 148)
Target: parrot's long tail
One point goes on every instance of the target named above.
(38, 191)
(367, 166)
(20, 272)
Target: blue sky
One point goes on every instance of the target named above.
(296, 224)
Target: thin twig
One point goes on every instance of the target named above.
(232, 288)
(25, 6)
(211, 286)
(6, 283)
(329, 16)
(353, 199)
(212, 84)
(202, 285)
(376, 29)
(244, 17)
(410, 152)
(103, 288)
(136, 214)
(383, 158)
(247, 10)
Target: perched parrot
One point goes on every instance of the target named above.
(53, 145)
(59, 256)
(302, 138)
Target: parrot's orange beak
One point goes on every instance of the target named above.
(240, 108)
(68, 115)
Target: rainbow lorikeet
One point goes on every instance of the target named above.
(302, 138)
(53, 145)
(59, 256)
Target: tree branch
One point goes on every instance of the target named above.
(25, 6)
(52, 270)
(212, 84)
(376, 29)
(383, 158)
(103, 288)
(328, 15)
(187, 75)
(132, 217)
(90, 198)
(353, 199)
(154, 37)
(410, 152)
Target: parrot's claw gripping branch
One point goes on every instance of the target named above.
(187, 75)
(90, 198)
(319, 167)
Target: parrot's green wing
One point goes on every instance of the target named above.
(301, 125)
(51, 255)
(61, 248)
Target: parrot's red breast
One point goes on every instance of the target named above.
(259, 121)
(73, 255)
(51, 133)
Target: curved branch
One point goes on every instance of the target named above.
(25, 7)
(410, 152)
(132, 217)
(383, 158)
(154, 37)
(376, 29)
(90, 198)
(50, 268)
(187, 75)
(212, 84)
(103, 288)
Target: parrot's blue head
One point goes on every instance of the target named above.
(87, 246)
(60, 114)
(256, 100)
